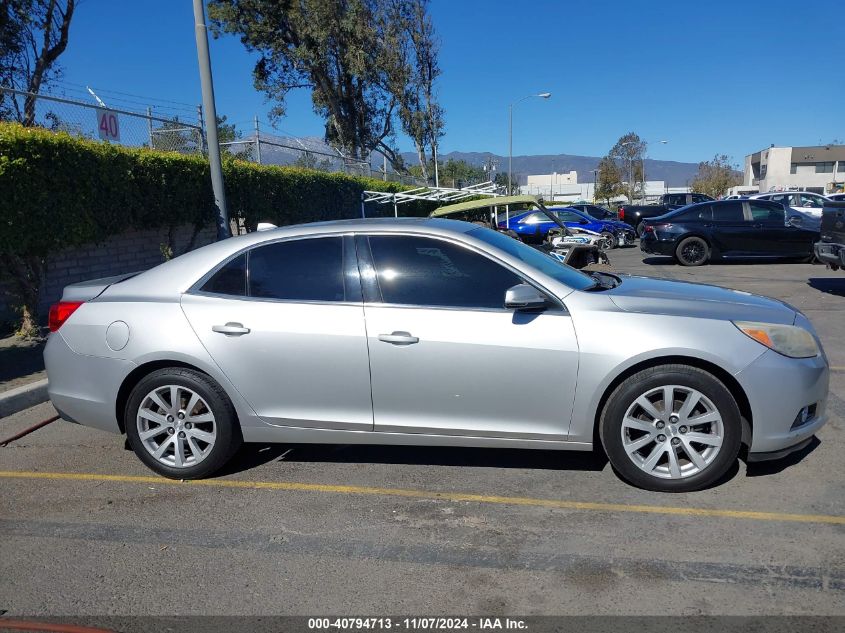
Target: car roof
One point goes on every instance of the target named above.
(182, 271)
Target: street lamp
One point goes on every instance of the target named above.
(631, 168)
(541, 95)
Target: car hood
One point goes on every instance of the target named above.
(681, 298)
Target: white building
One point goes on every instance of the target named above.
(820, 169)
(553, 180)
(545, 186)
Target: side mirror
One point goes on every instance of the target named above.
(525, 297)
(795, 221)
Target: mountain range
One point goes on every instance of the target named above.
(282, 150)
(675, 174)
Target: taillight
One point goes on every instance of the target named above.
(648, 229)
(622, 214)
(60, 312)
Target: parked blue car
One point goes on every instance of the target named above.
(533, 226)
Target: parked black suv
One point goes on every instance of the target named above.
(831, 248)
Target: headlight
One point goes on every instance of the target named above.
(789, 340)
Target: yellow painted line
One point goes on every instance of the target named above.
(433, 495)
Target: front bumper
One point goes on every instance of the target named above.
(626, 237)
(83, 388)
(830, 253)
(779, 389)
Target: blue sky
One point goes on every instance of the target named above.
(710, 77)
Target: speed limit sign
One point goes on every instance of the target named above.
(107, 125)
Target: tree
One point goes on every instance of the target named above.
(352, 54)
(459, 173)
(176, 136)
(419, 113)
(33, 35)
(630, 151)
(716, 176)
(609, 180)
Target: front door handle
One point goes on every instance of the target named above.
(399, 338)
(230, 329)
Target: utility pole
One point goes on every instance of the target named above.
(257, 142)
(204, 59)
(150, 124)
(436, 174)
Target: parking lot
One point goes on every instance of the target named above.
(86, 529)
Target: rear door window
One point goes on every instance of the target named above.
(298, 270)
(728, 212)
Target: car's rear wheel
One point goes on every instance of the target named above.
(609, 240)
(181, 423)
(692, 251)
(671, 428)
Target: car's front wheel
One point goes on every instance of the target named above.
(671, 428)
(181, 423)
(609, 240)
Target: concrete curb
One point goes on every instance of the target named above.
(23, 397)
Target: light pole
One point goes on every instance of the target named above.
(644, 180)
(201, 32)
(541, 95)
(631, 169)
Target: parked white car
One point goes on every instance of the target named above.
(805, 202)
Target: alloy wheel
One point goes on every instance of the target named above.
(176, 426)
(672, 432)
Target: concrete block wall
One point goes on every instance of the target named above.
(128, 252)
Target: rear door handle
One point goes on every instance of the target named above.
(399, 338)
(230, 329)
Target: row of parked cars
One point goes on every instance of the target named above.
(694, 228)
(769, 225)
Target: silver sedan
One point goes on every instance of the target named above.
(431, 332)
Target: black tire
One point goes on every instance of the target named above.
(610, 240)
(683, 376)
(692, 251)
(228, 433)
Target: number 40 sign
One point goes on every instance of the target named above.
(107, 125)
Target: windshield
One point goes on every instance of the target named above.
(534, 258)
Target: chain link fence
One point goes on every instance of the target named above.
(179, 133)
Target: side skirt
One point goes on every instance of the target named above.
(298, 435)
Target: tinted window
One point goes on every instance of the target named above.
(424, 271)
(701, 212)
(298, 270)
(727, 212)
(697, 197)
(229, 280)
(767, 213)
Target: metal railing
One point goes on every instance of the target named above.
(175, 133)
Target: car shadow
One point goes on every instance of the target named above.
(254, 455)
(828, 285)
(761, 469)
(660, 261)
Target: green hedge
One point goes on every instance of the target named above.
(58, 191)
